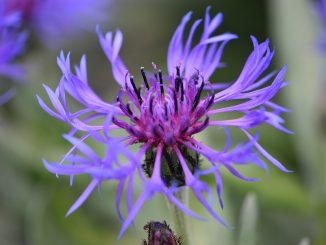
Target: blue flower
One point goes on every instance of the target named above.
(164, 115)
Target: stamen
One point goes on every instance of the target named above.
(182, 91)
(120, 123)
(210, 102)
(135, 89)
(175, 102)
(197, 97)
(177, 83)
(144, 77)
(135, 132)
(151, 104)
(129, 109)
(177, 80)
(178, 71)
(200, 127)
(126, 83)
(161, 82)
(166, 111)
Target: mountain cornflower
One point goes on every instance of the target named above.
(53, 20)
(163, 116)
(12, 42)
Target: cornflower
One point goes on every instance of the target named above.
(163, 116)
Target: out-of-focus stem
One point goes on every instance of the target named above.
(180, 219)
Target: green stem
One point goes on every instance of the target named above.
(180, 219)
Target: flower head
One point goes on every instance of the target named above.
(52, 20)
(12, 42)
(163, 116)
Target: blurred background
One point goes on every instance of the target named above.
(281, 208)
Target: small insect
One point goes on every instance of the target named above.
(160, 234)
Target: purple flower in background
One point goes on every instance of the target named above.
(162, 117)
(54, 20)
(12, 42)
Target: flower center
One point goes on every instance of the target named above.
(164, 112)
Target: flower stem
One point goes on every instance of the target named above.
(180, 219)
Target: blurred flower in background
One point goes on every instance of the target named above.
(53, 21)
(164, 114)
(12, 43)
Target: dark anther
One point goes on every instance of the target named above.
(151, 104)
(126, 108)
(182, 90)
(144, 77)
(136, 90)
(177, 83)
(197, 97)
(175, 102)
(178, 71)
(177, 80)
(210, 102)
(161, 82)
(134, 132)
(199, 127)
(166, 111)
(129, 109)
(139, 92)
(205, 123)
(119, 123)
